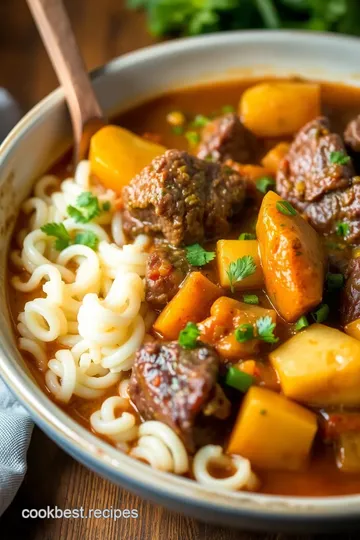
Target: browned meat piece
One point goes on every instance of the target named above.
(350, 308)
(184, 198)
(307, 172)
(325, 191)
(352, 134)
(226, 138)
(165, 271)
(175, 386)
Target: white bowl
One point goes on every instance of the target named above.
(41, 137)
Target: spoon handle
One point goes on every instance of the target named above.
(57, 35)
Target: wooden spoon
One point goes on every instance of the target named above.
(57, 35)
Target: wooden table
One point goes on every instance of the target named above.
(105, 29)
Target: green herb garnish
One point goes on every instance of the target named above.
(177, 130)
(339, 158)
(238, 379)
(265, 329)
(342, 228)
(247, 236)
(106, 206)
(265, 183)
(225, 109)
(240, 269)
(87, 208)
(193, 137)
(284, 207)
(321, 314)
(188, 336)
(251, 299)
(334, 281)
(64, 240)
(200, 121)
(301, 323)
(198, 256)
(244, 332)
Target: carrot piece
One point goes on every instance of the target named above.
(272, 431)
(292, 259)
(117, 155)
(191, 304)
(274, 157)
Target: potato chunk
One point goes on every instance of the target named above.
(292, 259)
(274, 157)
(117, 155)
(191, 303)
(275, 109)
(228, 251)
(273, 432)
(319, 366)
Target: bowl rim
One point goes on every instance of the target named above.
(100, 455)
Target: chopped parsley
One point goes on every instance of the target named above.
(193, 137)
(301, 323)
(64, 240)
(286, 208)
(238, 379)
(334, 281)
(244, 332)
(227, 109)
(87, 208)
(240, 269)
(200, 121)
(321, 314)
(265, 329)
(198, 256)
(251, 299)
(247, 236)
(177, 130)
(188, 336)
(106, 206)
(342, 228)
(265, 183)
(339, 158)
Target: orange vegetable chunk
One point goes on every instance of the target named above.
(228, 251)
(117, 155)
(272, 431)
(274, 157)
(292, 259)
(192, 303)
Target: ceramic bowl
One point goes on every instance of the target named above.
(41, 137)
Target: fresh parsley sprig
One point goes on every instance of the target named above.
(198, 256)
(265, 329)
(240, 269)
(87, 208)
(64, 240)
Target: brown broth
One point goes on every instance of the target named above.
(321, 477)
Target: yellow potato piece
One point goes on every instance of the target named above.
(353, 329)
(117, 155)
(272, 431)
(319, 366)
(228, 251)
(275, 109)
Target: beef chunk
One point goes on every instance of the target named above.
(350, 307)
(352, 134)
(165, 271)
(226, 138)
(183, 197)
(324, 191)
(174, 386)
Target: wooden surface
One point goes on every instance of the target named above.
(104, 29)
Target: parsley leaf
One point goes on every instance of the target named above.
(225, 109)
(286, 208)
(247, 236)
(244, 333)
(188, 336)
(251, 299)
(200, 121)
(240, 269)
(342, 228)
(265, 183)
(87, 238)
(87, 208)
(193, 137)
(198, 256)
(106, 206)
(58, 231)
(339, 158)
(265, 329)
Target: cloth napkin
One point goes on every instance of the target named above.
(15, 423)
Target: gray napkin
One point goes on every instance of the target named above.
(15, 423)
